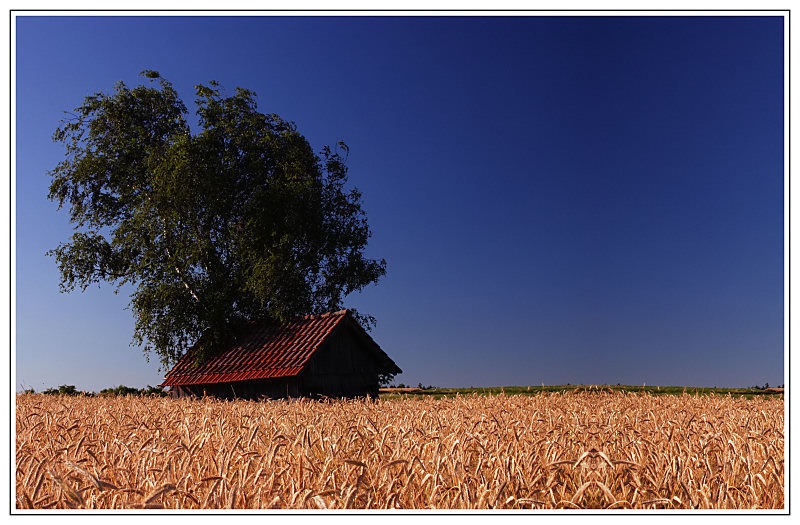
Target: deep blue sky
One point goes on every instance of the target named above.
(582, 200)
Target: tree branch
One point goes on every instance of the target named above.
(166, 249)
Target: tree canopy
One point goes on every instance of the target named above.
(240, 221)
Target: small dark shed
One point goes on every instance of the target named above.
(316, 355)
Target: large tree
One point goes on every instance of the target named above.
(238, 221)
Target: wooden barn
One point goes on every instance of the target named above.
(316, 355)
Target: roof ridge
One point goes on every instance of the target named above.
(323, 315)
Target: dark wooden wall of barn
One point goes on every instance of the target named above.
(341, 367)
(256, 389)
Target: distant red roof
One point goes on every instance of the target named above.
(266, 351)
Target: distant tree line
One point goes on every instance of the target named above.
(419, 385)
(121, 390)
(766, 386)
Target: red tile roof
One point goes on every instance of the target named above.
(266, 351)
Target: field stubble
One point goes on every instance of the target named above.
(557, 450)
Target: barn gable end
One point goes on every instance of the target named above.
(342, 366)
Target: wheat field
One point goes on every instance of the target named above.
(545, 451)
